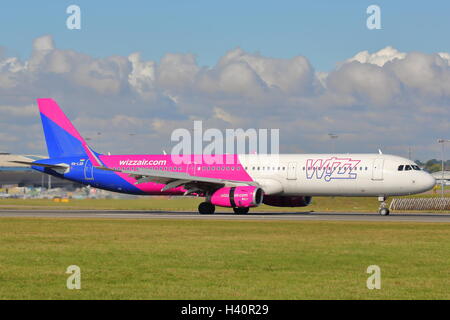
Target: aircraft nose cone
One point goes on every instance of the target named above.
(429, 181)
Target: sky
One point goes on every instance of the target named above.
(137, 70)
(326, 31)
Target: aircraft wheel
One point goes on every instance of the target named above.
(241, 210)
(206, 208)
(383, 210)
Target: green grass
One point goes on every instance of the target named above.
(319, 204)
(202, 259)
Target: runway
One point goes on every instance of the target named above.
(256, 216)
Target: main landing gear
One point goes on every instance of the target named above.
(241, 210)
(206, 208)
(209, 208)
(383, 210)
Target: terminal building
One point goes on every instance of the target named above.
(442, 178)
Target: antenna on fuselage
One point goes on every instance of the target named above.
(379, 151)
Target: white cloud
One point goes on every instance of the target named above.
(142, 75)
(367, 84)
(177, 71)
(19, 111)
(294, 76)
(426, 74)
(378, 58)
(383, 99)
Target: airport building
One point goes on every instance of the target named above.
(442, 178)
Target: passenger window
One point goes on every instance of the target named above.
(400, 167)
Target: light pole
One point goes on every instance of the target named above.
(333, 137)
(443, 141)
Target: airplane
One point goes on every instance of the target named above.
(251, 180)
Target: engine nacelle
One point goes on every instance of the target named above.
(287, 201)
(237, 197)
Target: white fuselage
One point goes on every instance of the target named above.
(336, 174)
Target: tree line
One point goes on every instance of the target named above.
(433, 165)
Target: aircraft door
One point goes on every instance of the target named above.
(292, 171)
(377, 169)
(194, 169)
(88, 170)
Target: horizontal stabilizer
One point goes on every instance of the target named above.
(51, 166)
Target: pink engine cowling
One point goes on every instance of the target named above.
(287, 201)
(237, 197)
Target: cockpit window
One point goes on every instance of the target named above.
(407, 167)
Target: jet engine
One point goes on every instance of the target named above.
(287, 201)
(237, 197)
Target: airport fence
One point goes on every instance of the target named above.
(434, 203)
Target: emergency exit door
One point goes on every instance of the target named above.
(292, 171)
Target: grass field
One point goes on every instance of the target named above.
(319, 204)
(180, 259)
(176, 259)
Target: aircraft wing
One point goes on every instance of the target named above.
(193, 184)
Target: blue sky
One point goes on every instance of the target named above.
(324, 31)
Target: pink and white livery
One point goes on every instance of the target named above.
(285, 180)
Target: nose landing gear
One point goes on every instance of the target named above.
(383, 210)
